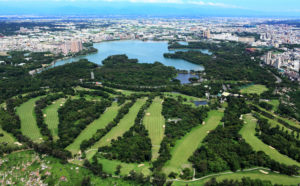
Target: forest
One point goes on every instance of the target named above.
(227, 67)
(120, 70)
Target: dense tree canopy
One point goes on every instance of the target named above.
(119, 69)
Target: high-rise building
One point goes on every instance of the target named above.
(206, 34)
(296, 65)
(65, 48)
(277, 63)
(73, 46)
(76, 46)
(268, 58)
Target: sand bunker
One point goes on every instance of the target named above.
(271, 147)
(264, 172)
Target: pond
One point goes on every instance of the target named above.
(200, 103)
(184, 78)
(144, 51)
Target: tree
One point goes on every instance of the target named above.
(159, 179)
(86, 181)
(118, 170)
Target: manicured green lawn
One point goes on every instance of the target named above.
(275, 104)
(186, 146)
(155, 124)
(248, 133)
(29, 127)
(110, 166)
(129, 92)
(187, 99)
(51, 118)
(7, 137)
(92, 128)
(256, 174)
(254, 89)
(124, 125)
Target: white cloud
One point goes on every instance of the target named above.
(193, 2)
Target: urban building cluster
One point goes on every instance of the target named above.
(68, 37)
(288, 62)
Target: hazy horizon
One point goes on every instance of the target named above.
(254, 8)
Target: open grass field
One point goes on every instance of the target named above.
(175, 94)
(256, 174)
(254, 89)
(7, 137)
(124, 125)
(155, 124)
(129, 92)
(275, 103)
(109, 166)
(186, 146)
(92, 128)
(74, 174)
(51, 118)
(187, 99)
(248, 133)
(29, 127)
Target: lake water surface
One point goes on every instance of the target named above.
(144, 51)
(184, 78)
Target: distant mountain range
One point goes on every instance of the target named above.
(134, 9)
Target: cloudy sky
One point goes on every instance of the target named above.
(259, 7)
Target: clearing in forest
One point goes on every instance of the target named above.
(6, 137)
(51, 117)
(186, 146)
(254, 89)
(155, 124)
(29, 126)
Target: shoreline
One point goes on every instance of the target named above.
(53, 63)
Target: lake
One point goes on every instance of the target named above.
(144, 51)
